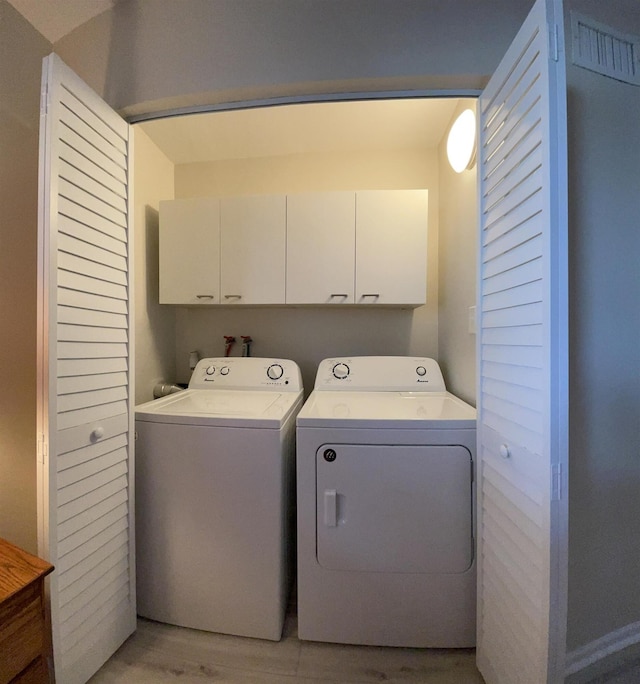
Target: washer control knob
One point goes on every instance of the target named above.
(341, 371)
(210, 370)
(275, 371)
(224, 370)
(421, 371)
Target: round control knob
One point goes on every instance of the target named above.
(421, 371)
(341, 371)
(210, 370)
(224, 370)
(275, 371)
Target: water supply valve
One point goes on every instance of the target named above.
(246, 345)
(229, 341)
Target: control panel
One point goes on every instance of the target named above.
(379, 374)
(246, 373)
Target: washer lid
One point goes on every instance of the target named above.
(235, 408)
(413, 410)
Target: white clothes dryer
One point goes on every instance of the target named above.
(385, 472)
(215, 489)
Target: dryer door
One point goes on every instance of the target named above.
(387, 508)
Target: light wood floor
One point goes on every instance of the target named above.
(159, 653)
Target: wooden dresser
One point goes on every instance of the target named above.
(25, 640)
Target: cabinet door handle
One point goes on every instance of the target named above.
(205, 296)
(334, 294)
(376, 295)
(233, 296)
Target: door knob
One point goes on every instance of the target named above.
(97, 434)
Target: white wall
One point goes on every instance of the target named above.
(154, 324)
(308, 335)
(458, 242)
(149, 55)
(21, 53)
(604, 416)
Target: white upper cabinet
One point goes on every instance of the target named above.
(320, 248)
(190, 251)
(252, 249)
(391, 247)
(365, 247)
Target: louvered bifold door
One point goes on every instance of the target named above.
(84, 412)
(522, 411)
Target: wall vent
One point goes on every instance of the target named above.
(604, 50)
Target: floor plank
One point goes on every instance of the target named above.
(159, 653)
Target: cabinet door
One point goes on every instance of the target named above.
(252, 249)
(391, 247)
(320, 248)
(190, 251)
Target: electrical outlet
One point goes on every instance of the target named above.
(472, 320)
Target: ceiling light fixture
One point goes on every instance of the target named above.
(461, 142)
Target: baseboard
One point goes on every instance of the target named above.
(606, 654)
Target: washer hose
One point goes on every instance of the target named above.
(162, 389)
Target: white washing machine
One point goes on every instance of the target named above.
(215, 490)
(385, 472)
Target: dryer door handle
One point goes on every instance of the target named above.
(330, 508)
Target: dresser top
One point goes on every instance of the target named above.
(18, 569)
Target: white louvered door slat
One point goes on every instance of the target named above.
(75, 281)
(71, 245)
(85, 217)
(85, 412)
(81, 266)
(522, 358)
(81, 231)
(81, 179)
(96, 203)
(77, 114)
(87, 150)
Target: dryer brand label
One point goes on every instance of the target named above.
(329, 455)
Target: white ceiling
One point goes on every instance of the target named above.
(304, 128)
(55, 18)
